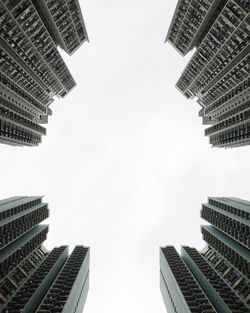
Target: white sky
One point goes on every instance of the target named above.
(125, 166)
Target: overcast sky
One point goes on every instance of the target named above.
(125, 165)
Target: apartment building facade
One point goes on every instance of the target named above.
(218, 73)
(217, 279)
(32, 71)
(32, 278)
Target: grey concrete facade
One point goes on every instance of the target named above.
(180, 290)
(30, 276)
(190, 23)
(220, 272)
(32, 70)
(218, 73)
(67, 28)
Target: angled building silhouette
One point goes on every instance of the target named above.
(32, 70)
(67, 27)
(191, 22)
(218, 73)
(217, 279)
(33, 279)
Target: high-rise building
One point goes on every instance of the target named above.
(217, 279)
(32, 70)
(33, 279)
(218, 72)
(190, 23)
(66, 27)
